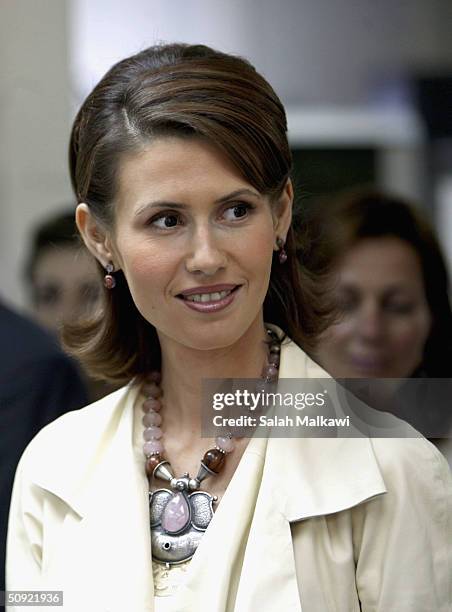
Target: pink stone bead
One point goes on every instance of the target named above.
(152, 446)
(152, 433)
(151, 404)
(151, 418)
(226, 444)
(152, 389)
(271, 372)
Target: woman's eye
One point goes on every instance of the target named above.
(399, 308)
(47, 296)
(165, 221)
(237, 211)
(347, 303)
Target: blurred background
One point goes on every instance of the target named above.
(367, 85)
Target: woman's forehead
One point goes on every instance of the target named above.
(381, 262)
(174, 169)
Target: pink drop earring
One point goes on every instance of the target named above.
(109, 279)
(282, 251)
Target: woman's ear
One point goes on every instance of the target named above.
(95, 236)
(282, 215)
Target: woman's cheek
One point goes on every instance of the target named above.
(145, 263)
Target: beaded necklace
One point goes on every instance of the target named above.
(180, 516)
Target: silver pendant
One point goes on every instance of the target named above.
(178, 522)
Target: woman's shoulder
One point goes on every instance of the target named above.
(407, 531)
(76, 433)
(295, 361)
(412, 460)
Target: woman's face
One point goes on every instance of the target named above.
(59, 297)
(195, 242)
(385, 319)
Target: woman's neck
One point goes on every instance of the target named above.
(184, 368)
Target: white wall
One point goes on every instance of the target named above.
(34, 124)
(313, 51)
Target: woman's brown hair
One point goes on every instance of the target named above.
(181, 90)
(337, 224)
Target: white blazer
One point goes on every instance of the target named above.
(337, 525)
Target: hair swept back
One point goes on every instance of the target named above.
(184, 90)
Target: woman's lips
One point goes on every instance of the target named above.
(368, 364)
(215, 306)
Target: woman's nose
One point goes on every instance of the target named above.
(205, 253)
(369, 323)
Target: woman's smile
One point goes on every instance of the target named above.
(190, 228)
(211, 301)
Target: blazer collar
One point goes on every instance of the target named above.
(333, 473)
(97, 446)
(318, 476)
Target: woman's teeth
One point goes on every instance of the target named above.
(208, 297)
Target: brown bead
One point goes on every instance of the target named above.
(214, 460)
(151, 463)
(154, 376)
(274, 359)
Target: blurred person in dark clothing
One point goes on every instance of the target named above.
(38, 383)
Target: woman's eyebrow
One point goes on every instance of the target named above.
(237, 193)
(180, 206)
(398, 289)
(159, 204)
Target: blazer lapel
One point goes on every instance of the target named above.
(268, 574)
(300, 479)
(109, 508)
(317, 476)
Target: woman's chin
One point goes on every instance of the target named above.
(201, 340)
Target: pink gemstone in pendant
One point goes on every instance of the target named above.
(176, 514)
(226, 444)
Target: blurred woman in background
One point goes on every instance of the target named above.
(62, 282)
(56, 296)
(390, 288)
(388, 282)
